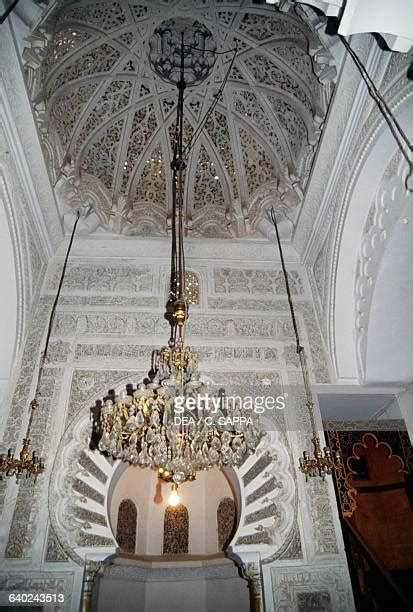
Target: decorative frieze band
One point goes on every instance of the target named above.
(101, 278)
(98, 353)
(72, 324)
(111, 301)
(263, 282)
(315, 341)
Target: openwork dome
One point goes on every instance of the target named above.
(106, 109)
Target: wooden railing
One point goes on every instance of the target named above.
(374, 588)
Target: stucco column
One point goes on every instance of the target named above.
(250, 567)
(91, 569)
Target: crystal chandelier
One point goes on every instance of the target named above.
(141, 426)
(323, 462)
(26, 465)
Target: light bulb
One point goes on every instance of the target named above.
(174, 497)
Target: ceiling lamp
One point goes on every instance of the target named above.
(26, 465)
(323, 462)
(167, 422)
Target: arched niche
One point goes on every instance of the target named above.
(126, 525)
(201, 499)
(176, 530)
(385, 352)
(226, 522)
(351, 295)
(83, 482)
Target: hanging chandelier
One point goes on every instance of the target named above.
(145, 427)
(25, 465)
(323, 461)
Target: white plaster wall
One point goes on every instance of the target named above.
(389, 355)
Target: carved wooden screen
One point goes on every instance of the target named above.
(126, 526)
(176, 530)
(225, 522)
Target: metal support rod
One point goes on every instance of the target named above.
(299, 347)
(176, 307)
(43, 357)
(181, 258)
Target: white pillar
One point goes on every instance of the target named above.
(250, 566)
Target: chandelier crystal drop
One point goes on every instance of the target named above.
(172, 422)
(142, 427)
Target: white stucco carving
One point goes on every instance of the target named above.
(391, 203)
(95, 346)
(119, 131)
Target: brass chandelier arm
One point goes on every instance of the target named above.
(323, 462)
(24, 465)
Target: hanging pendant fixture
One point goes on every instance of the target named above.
(168, 423)
(24, 465)
(323, 461)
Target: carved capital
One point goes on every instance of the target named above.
(91, 569)
(252, 572)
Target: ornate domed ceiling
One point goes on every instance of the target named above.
(107, 116)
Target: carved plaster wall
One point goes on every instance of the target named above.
(108, 320)
(391, 203)
(25, 149)
(330, 231)
(370, 183)
(30, 224)
(297, 591)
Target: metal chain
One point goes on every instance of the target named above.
(43, 356)
(299, 347)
